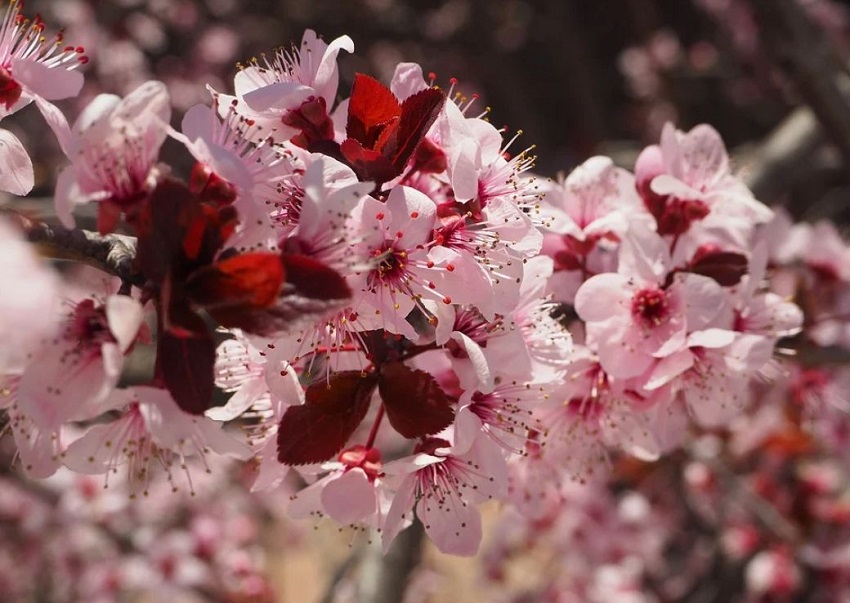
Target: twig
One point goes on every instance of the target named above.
(384, 579)
(774, 165)
(341, 571)
(111, 253)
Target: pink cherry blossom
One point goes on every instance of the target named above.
(277, 92)
(113, 148)
(32, 68)
(151, 433)
(634, 316)
(71, 375)
(444, 489)
(687, 179)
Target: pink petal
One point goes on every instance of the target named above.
(124, 316)
(64, 197)
(452, 525)
(667, 369)
(603, 297)
(281, 96)
(407, 80)
(16, 173)
(52, 380)
(620, 350)
(464, 172)
(49, 83)
(326, 78)
(350, 498)
(399, 516)
(271, 472)
(644, 255)
(57, 122)
(703, 299)
(38, 449)
(476, 357)
(467, 430)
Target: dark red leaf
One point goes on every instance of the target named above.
(209, 186)
(725, 267)
(207, 227)
(185, 364)
(159, 229)
(371, 109)
(250, 280)
(368, 164)
(318, 429)
(418, 114)
(416, 406)
(310, 278)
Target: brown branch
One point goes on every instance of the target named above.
(772, 167)
(112, 253)
(384, 579)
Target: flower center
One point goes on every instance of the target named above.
(10, 90)
(391, 265)
(88, 324)
(650, 306)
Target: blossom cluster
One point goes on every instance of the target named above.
(402, 314)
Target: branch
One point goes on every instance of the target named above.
(384, 579)
(111, 253)
(776, 163)
(804, 52)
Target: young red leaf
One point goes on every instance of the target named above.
(418, 114)
(307, 277)
(368, 164)
(318, 429)
(185, 364)
(250, 281)
(416, 406)
(371, 109)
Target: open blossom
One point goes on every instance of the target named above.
(294, 89)
(151, 433)
(113, 147)
(70, 376)
(635, 316)
(32, 68)
(444, 488)
(687, 179)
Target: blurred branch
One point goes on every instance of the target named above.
(804, 52)
(384, 578)
(111, 253)
(774, 165)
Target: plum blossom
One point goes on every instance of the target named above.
(295, 89)
(687, 179)
(113, 147)
(70, 376)
(444, 488)
(635, 315)
(32, 68)
(152, 432)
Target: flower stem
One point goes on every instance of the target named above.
(374, 431)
